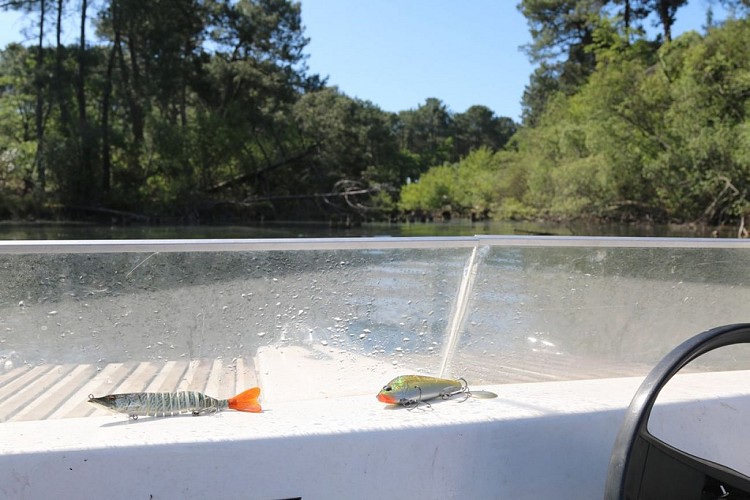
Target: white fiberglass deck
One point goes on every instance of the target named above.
(550, 324)
(539, 440)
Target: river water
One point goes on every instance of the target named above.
(80, 231)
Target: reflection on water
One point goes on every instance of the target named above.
(80, 231)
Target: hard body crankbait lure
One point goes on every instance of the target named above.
(163, 404)
(410, 390)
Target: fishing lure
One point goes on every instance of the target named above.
(163, 404)
(411, 390)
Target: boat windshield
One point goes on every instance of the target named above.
(311, 319)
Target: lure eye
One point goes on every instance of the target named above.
(387, 388)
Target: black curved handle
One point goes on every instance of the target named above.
(633, 431)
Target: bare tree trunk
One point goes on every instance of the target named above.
(106, 152)
(136, 108)
(83, 125)
(107, 94)
(39, 84)
(184, 85)
(626, 19)
(59, 81)
(665, 10)
(132, 95)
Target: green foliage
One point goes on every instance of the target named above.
(651, 134)
(562, 31)
(483, 182)
(191, 105)
(655, 132)
(428, 132)
(433, 191)
(17, 147)
(479, 127)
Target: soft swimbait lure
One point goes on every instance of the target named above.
(410, 390)
(163, 404)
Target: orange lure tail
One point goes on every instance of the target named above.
(246, 401)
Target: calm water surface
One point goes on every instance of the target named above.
(79, 231)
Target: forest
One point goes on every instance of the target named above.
(204, 110)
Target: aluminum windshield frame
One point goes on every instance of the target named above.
(366, 243)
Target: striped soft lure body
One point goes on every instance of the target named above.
(410, 390)
(163, 404)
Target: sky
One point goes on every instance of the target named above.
(397, 53)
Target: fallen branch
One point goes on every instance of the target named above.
(108, 211)
(242, 178)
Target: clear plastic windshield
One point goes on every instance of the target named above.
(309, 319)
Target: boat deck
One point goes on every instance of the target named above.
(347, 447)
(286, 374)
(61, 391)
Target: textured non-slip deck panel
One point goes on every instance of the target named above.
(61, 391)
(288, 374)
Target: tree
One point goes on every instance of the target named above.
(543, 83)
(562, 31)
(85, 133)
(41, 167)
(433, 192)
(478, 126)
(666, 11)
(632, 13)
(737, 7)
(17, 130)
(428, 132)
(355, 148)
(482, 183)
(659, 135)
